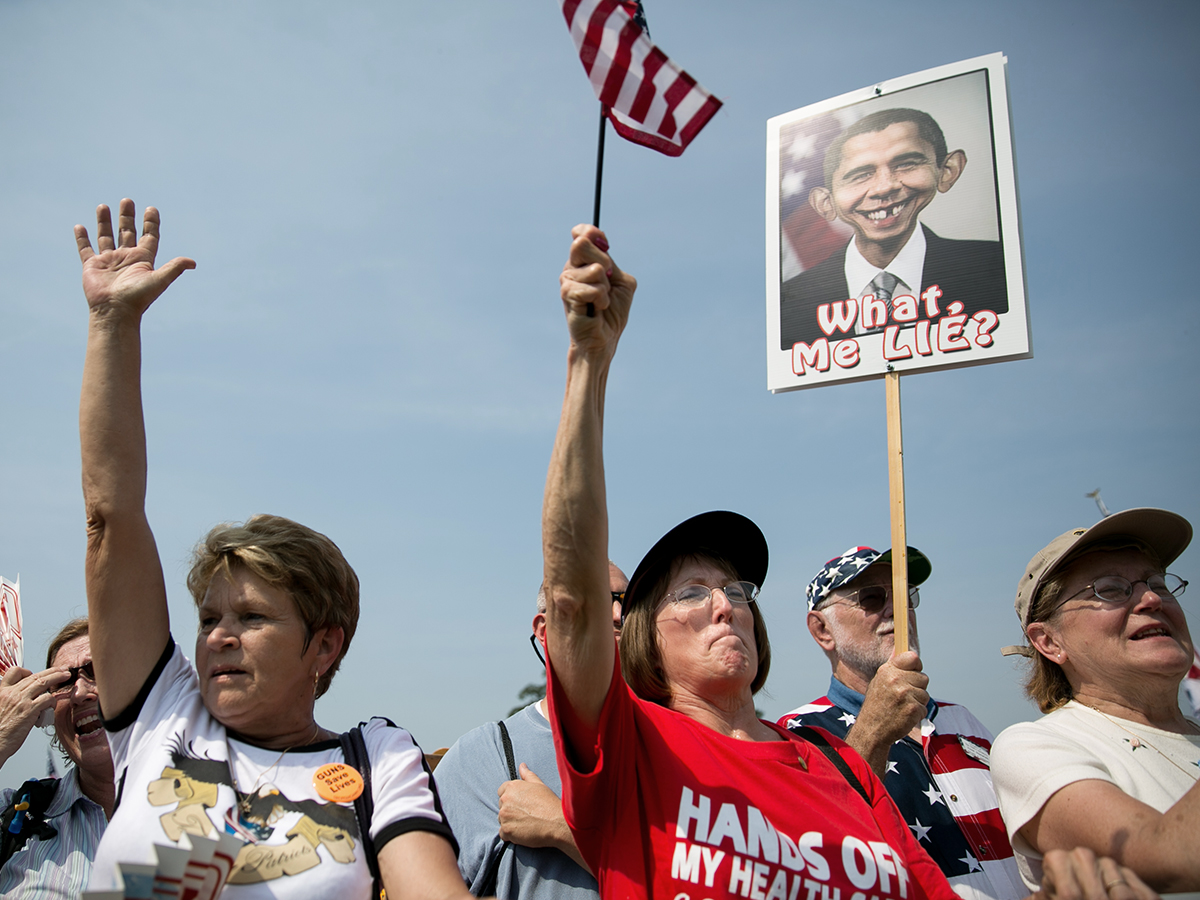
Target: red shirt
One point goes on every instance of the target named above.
(674, 810)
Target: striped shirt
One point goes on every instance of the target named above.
(58, 867)
(943, 788)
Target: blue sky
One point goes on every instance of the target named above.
(379, 198)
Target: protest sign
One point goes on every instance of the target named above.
(893, 241)
(894, 245)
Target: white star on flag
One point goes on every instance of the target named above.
(920, 830)
(934, 796)
(972, 863)
(847, 718)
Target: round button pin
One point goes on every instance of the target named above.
(338, 782)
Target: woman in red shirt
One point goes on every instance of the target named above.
(672, 786)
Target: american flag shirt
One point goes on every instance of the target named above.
(943, 789)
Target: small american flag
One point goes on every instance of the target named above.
(649, 99)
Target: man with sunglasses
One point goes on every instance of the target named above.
(931, 755)
(512, 837)
(50, 828)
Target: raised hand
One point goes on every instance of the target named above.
(590, 277)
(24, 696)
(121, 277)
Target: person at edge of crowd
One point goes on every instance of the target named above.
(76, 807)
(478, 792)
(672, 786)
(229, 745)
(1114, 763)
(881, 172)
(931, 755)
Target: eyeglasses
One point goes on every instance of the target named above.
(618, 596)
(692, 596)
(85, 670)
(873, 599)
(1116, 591)
(533, 642)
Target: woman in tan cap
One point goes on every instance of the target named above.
(1113, 766)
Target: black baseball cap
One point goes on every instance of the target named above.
(720, 533)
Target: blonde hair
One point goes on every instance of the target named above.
(289, 556)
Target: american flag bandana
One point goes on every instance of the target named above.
(649, 99)
(841, 570)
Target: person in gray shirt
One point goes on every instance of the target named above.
(513, 841)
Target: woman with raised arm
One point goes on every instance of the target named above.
(229, 744)
(672, 786)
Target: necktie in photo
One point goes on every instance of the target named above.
(882, 286)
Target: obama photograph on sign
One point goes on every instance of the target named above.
(879, 175)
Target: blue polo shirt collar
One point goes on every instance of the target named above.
(852, 701)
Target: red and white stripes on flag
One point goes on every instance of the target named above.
(649, 99)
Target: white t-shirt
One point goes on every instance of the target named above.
(171, 757)
(1033, 760)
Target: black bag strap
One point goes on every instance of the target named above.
(508, 752)
(487, 887)
(354, 749)
(815, 737)
(25, 816)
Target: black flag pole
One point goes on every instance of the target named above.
(591, 307)
(599, 165)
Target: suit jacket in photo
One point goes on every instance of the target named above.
(971, 272)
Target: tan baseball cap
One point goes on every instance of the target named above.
(1166, 533)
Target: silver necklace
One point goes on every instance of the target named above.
(1139, 741)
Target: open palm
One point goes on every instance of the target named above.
(121, 276)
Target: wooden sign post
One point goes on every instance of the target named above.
(895, 457)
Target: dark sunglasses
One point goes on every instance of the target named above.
(871, 600)
(85, 670)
